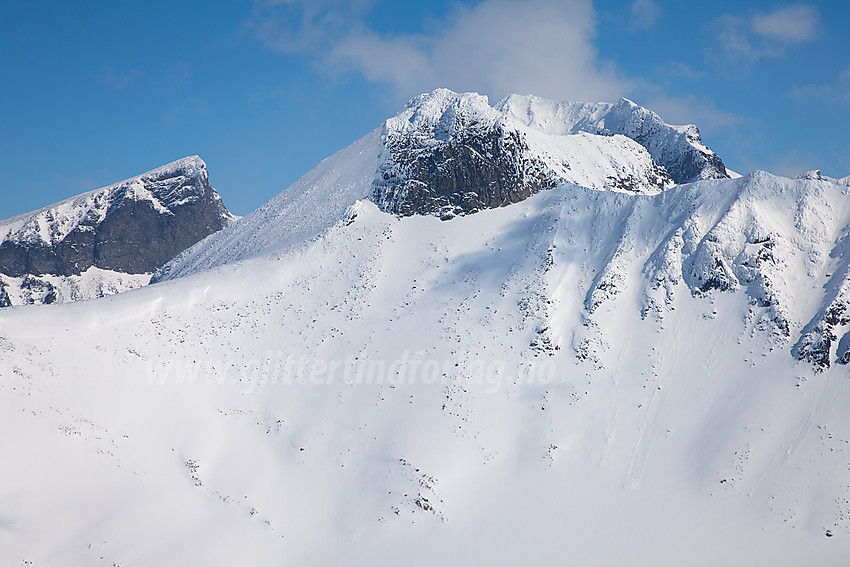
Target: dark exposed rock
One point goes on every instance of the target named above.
(448, 154)
(132, 227)
(5, 301)
(474, 168)
(815, 344)
(37, 290)
(717, 279)
(814, 347)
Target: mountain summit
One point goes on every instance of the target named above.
(110, 239)
(584, 363)
(450, 154)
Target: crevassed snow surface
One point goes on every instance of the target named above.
(530, 385)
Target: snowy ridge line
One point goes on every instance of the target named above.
(304, 211)
(679, 149)
(817, 175)
(450, 153)
(754, 237)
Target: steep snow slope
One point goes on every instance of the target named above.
(307, 208)
(110, 239)
(585, 376)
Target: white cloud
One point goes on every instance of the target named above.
(765, 35)
(733, 39)
(120, 80)
(789, 23)
(644, 14)
(399, 62)
(835, 91)
(495, 47)
(304, 26)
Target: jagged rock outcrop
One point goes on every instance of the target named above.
(132, 227)
(474, 167)
(5, 300)
(448, 153)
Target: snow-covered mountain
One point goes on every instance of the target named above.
(589, 375)
(453, 154)
(450, 154)
(678, 149)
(108, 240)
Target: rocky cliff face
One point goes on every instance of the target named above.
(449, 153)
(130, 228)
(473, 167)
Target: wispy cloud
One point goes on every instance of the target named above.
(175, 75)
(788, 24)
(644, 14)
(679, 70)
(496, 47)
(764, 35)
(304, 26)
(794, 162)
(119, 80)
(837, 91)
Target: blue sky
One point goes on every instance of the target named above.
(96, 92)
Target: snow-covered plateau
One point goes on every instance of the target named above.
(587, 375)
